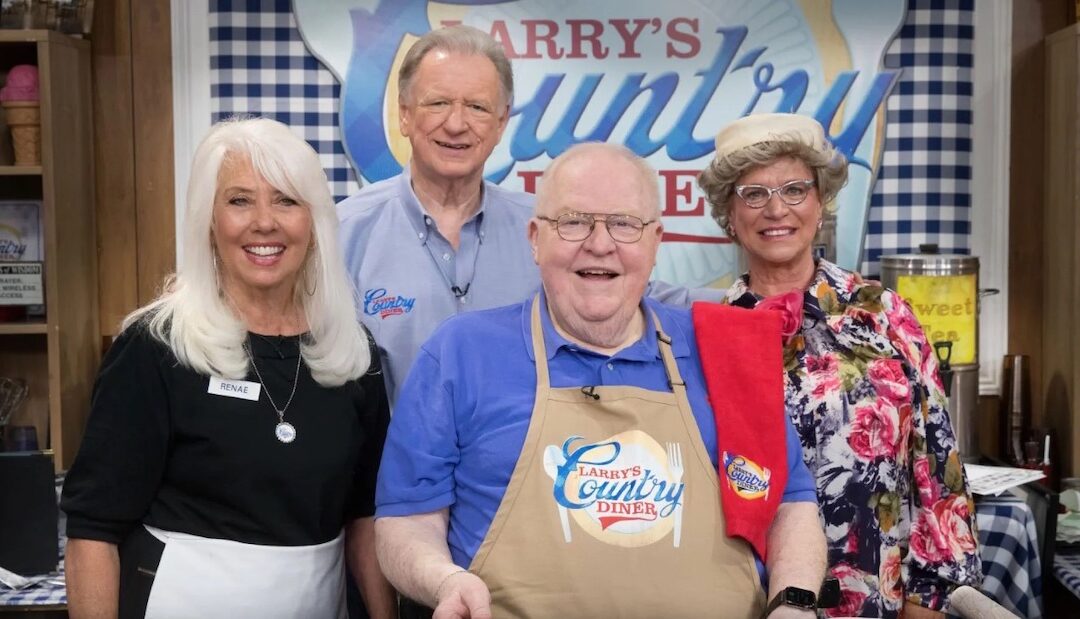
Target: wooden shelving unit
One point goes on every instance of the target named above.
(58, 356)
(1061, 294)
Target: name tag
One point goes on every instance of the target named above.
(242, 389)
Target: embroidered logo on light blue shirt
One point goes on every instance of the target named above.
(378, 303)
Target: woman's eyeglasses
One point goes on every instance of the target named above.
(575, 227)
(792, 193)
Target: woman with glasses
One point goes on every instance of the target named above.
(861, 379)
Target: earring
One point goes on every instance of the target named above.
(730, 230)
(217, 269)
(820, 223)
(313, 278)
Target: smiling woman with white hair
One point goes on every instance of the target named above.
(237, 424)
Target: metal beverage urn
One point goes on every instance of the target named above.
(943, 290)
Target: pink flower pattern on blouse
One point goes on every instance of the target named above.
(862, 389)
(789, 304)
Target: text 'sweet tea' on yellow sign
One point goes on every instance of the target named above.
(947, 309)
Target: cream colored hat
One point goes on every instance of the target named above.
(750, 130)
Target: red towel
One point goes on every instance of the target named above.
(742, 359)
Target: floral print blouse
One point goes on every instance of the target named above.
(863, 391)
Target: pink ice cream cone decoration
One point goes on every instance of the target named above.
(20, 99)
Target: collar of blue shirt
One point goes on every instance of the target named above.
(645, 349)
(418, 217)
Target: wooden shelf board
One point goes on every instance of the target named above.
(15, 35)
(23, 36)
(23, 328)
(20, 170)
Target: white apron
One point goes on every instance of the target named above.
(204, 577)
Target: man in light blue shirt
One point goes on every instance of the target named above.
(438, 240)
(409, 277)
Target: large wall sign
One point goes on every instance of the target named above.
(660, 78)
(942, 176)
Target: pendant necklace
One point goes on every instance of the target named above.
(284, 431)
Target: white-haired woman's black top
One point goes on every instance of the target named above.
(161, 450)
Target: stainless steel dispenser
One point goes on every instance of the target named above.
(943, 290)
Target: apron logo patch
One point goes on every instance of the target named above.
(625, 490)
(377, 302)
(745, 477)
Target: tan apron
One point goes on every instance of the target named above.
(613, 510)
(203, 577)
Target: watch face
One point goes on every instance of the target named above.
(799, 597)
(829, 597)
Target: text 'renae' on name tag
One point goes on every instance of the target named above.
(243, 389)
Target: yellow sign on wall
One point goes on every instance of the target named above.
(947, 309)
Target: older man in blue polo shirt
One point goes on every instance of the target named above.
(438, 240)
(557, 458)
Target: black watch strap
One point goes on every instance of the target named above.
(792, 596)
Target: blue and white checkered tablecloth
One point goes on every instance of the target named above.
(1067, 568)
(1010, 554)
(41, 594)
(50, 592)
(53, 590)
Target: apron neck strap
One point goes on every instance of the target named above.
(663, 341)
(539, 349)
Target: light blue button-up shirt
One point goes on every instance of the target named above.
(408, 276)
(410, 279)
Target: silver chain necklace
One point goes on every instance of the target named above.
(284, 431)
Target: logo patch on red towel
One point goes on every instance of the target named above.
(745, 477)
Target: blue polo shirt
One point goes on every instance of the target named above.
(410, 279)
(405, 271)
(465, 408)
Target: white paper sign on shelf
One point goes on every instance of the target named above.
(21, 283)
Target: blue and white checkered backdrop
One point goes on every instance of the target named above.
(259, 65)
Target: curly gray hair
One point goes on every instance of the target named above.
(718, 180)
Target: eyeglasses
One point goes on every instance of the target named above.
(576, 227)
(792, 193)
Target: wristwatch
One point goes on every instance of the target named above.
(792, 596)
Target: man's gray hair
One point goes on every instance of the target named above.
(458, 39)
